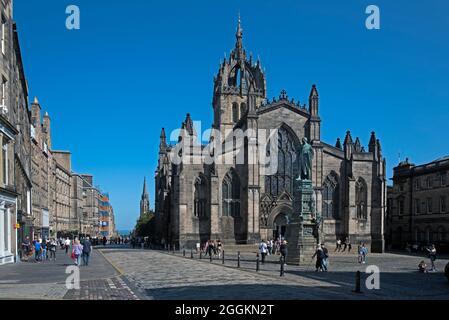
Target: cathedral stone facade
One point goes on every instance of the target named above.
(240, 203)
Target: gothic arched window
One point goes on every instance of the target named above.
(200, 197)
(331, 202)
(282, 180)
(231, 195)
(235, 112)
(361, 199)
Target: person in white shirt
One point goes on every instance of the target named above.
(263, 249)
(67, 244)
(338, 247)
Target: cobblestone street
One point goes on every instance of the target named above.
(171, 276)
(120, 273)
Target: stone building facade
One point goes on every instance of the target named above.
(65, 221)
(418, 205)
(40, 167)
(91, 198)
(107, 219)
(36, 187)
(14, 135)
(242, 202)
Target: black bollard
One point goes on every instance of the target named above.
(222, 257)
(282, 266)
(184, 252)
(357, 282)
(238, 259)
(257, 263)
(210, 258)
(191, 254)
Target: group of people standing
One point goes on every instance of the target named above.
(273, 247)
(45, 249)
(213, 248)
(42, 249)
(432, 253)
(322, 255)
(341, 246)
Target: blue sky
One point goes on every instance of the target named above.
(138, 65)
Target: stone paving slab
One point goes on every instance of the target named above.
(46, 280)
(47, 291)
(55, 271)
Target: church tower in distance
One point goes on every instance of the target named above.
(145, 199)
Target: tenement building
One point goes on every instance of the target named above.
(40, 162)
(418, 212)
(243, 202)
(15, 184)
(39, 194)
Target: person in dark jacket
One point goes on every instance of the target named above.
(283, 250)
(87, 249)
(319, 258)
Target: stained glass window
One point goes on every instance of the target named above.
(282, 180)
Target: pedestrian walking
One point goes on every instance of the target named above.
(319, 258)
(363, 253)
(26, 248)
(210, 248)
(52, 248)
(432, 256)
(87, 249)
(263, 249)
(37, 250)
(67, 245)
(219, 248)
(269, 247)
(283, 250)
(77, 250)
(325, 261)
(44, 256)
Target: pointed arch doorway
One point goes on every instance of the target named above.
(279, 220)
(280, 226)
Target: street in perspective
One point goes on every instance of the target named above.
(138, 162)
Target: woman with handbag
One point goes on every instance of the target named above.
(77, 250)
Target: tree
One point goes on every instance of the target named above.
(145, 225)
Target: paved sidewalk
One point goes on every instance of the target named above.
(46, 280)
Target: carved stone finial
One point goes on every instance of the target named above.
(283, 95)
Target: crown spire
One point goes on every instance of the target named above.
(239, 40)
(144, 192)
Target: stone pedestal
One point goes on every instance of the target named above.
(302, 235)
